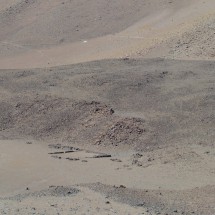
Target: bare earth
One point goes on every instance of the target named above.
(107, 107)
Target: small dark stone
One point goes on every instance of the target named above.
(111, 111)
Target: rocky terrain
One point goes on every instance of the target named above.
(90, 111)
(107, 107)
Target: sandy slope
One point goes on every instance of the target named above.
(128, 136)
(155, 118)
(111, 29)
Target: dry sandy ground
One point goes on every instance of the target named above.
(139, 132)
(38, 33)
(132, 135)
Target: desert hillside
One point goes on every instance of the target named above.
(37, 33)
(107, 107)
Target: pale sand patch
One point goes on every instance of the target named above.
(139, 40)
(29, 165)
